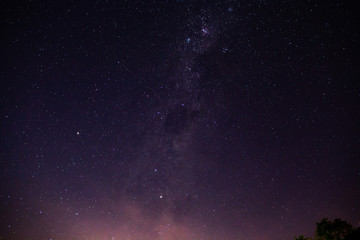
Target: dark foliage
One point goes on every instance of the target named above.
(336, 230)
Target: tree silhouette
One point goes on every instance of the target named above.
(301, 237)
(336, 230)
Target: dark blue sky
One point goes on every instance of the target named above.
(166, 120)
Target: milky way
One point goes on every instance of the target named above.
(177, 120)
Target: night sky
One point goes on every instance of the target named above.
(173, 120)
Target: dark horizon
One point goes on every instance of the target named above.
(166, 120)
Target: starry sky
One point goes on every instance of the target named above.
(172, 120)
